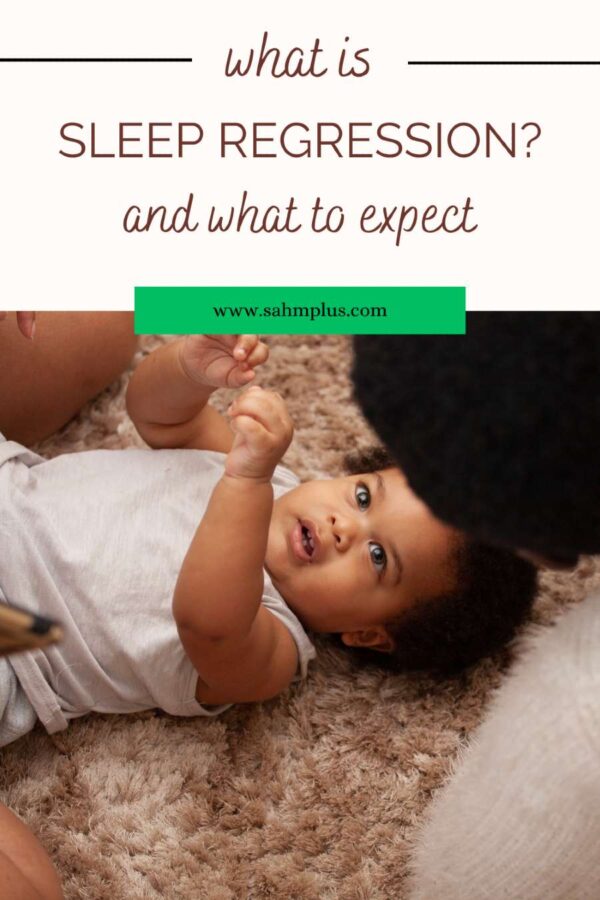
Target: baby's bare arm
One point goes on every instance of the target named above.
(168, 393)
(240, 651)
(220, 584)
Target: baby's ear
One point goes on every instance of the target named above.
(375, 638)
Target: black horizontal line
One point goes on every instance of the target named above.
(506, 62)
(96, 59)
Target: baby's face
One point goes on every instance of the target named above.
(351, 553)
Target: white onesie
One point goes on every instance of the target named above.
(96, 540)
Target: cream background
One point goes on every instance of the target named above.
(61, 241)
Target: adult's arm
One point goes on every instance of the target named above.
(25, 323)
(75, 355)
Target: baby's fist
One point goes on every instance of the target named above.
(222, 360)
(262, 431)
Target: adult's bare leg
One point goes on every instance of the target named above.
(26, 872)
(44, 382)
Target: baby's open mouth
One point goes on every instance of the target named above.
(305, 542)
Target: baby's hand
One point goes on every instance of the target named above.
(222, 360)
(263, 431)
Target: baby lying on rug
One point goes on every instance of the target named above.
(186, 577)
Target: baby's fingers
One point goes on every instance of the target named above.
(260, 442)
(249, 428)
(244, 346)
(249, 351)
(258, 355)
(240, 376)
(264, 406)
(269, 410)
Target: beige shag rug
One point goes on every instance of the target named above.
(315, 795)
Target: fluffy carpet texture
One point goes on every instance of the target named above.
(315, 795)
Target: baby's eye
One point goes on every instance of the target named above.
(378, 556)
(363, 496)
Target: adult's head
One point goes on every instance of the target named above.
(498, 431)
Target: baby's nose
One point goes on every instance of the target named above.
(344, 532)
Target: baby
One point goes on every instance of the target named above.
(186, 579)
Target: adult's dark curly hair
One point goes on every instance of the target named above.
(498, 430)
(493, 594)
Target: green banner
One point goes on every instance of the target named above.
(300, 310)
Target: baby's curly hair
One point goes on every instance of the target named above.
(494, 592)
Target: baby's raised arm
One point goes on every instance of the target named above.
(240, 650)
(168, 393)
